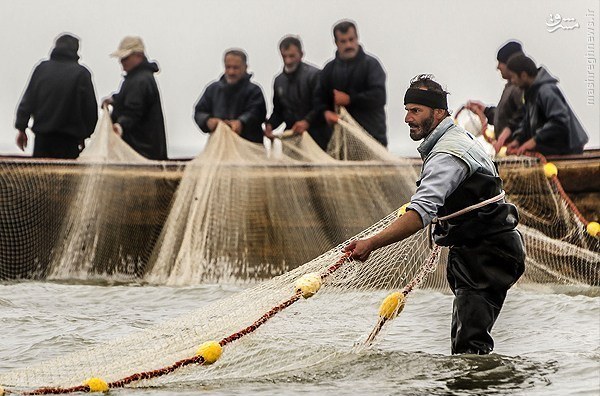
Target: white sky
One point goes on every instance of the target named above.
(456, 41)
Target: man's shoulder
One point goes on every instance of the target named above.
(372, 61)
(310, 68)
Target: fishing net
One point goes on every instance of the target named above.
(238, 214)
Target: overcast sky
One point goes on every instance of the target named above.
(455, 40)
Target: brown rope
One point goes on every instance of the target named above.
(560, 188)
(195, 359)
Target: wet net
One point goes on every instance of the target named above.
(239, 215)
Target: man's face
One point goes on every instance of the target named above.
(504, 72)
(235, 69)
(420, 120)
(520, 80)
(292, 56)
(130, 62)
(347, 43)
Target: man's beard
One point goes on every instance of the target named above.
(291, 68)
(423, 129)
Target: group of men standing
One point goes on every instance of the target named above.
(304, 97)
(61, 100)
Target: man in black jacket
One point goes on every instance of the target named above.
(233, 99)
(137, 111)
(355, 80)
(550, 126)
(294, 93)
(61, 99)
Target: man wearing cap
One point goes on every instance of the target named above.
(356, 80)
(234, 100)
(550, 125)
(508, 114)
(486, 255)
(137, 111)
(61, 100)
(294, 92)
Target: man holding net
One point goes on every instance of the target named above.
(234, 100)
(486, 254)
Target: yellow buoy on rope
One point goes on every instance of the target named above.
(593, 228)
(550, 170)
(392, 305)
(210, 351)
(96, 384)
(309, 284)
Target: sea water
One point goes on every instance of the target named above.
(546, 343)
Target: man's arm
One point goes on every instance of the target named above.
(132, 109)
(203, 110)
(26, 105)
(516, 97)
(374, 96)
(441, 175)
(556, 114)
(89, 105)
(276, 117)
(255, 109)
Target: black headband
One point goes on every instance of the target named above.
(435, 100)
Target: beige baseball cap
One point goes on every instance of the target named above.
(128, 46)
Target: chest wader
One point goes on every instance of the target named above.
(486, 258)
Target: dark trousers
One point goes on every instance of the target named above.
(56, 145)
(479, 276)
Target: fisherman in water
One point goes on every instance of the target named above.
(486, 251)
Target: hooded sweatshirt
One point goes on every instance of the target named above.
(549, 119)
(60, 95)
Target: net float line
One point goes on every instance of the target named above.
(210, 351)
(551, 172)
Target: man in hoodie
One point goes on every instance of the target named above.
(507, 116)
(137, 111)
(61, 100)
(356, 80)
(486, 254)
(234, 100)
(294, 93)
(549, 126)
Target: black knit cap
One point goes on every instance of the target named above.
(508, 50)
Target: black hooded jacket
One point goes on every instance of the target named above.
(549, 119)
(137, 108)
(242, 101)
(363, 78)
(60, 95)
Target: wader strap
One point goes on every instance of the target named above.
(468, 209)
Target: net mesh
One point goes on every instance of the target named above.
(234, 213)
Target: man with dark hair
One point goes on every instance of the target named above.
(294, 92)
(508, 114)
(549, 125)
(355, 80)
(61, 99)
(234, 100)
(137, 111)
(486, 254)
